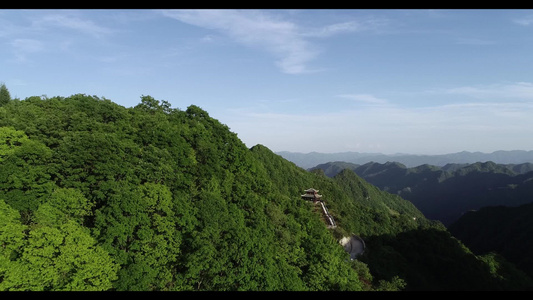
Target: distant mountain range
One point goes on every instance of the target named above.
(484, 199)
(445, 193)
(308, 160)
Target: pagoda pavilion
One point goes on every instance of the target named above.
(312, 194)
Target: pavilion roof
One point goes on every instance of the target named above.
(311, 196)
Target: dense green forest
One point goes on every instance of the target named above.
(445, 193)
(96, 196)
(500, 229)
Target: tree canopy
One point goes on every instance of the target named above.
(96, 196)
(5, 96)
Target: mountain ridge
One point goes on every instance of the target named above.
(445, 193)
(96, 196)
(311, 159)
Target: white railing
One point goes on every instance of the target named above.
(326, 213)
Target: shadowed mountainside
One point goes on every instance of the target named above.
(445, 193)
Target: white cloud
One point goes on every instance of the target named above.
(208, 38)
(37, 31)
(27, 45)
(261, 29)
(364, 98)
(23, 47)
(368, 23)
(525, 21)
(73, 22)
(255, 29)
(523, 90)
(474, 42)
(334, 29)
(471, 126)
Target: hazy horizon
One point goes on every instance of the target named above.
(322, 80)
(402, 153)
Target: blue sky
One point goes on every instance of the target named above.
(390, 81)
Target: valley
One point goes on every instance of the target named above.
(445, 193)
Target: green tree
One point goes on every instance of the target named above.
(175, 201)
(5, 97)
(25, 180)
(10, 139)
(12, 234)
(63, 205)
(139, 228)
(62, 257)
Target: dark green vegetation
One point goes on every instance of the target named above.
(445, 193)
(507, 231)
(5, 96)
(95, 196)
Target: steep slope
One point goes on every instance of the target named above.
(347, 196)
(504, 230)
(173, 199)
(95, 196)
(400, 242)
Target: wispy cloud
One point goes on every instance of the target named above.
(472, 126)
(524, 21)
(255, 29)
(364, 98)
(367, 23)
(491, 117)
(474, 42)
(73, 22)
(260, 29)
(523, 90)
(334, 29)
(23, 47)
(49, 31)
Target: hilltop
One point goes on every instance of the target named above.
(96, 196)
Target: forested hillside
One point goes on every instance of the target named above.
(445, 193)
(96, 196)
(504, 230)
